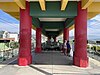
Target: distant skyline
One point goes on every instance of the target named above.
(9, 23)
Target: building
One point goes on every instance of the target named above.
(12, 36)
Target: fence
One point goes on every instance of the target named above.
(7, 54)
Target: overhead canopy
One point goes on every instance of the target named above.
(60, 13)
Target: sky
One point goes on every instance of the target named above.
(9, 23)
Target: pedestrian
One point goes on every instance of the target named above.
(68, 48)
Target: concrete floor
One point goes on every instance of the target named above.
(50, 63)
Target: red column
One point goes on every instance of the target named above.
(48, 39)
(66, 34)
(80, 55)
(38, 40)
(55, 39)
(25, 57)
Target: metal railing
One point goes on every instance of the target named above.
(7, 54)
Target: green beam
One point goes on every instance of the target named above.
(44, 32)
(53, 9)
(69, 22)
(52, 25)
(36, 22)
(52, 33)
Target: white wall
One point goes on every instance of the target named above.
(14, 36)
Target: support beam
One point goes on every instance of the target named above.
(69, 22)
(86, 3)
(21, 3)
(66, 34)
(42, 4)
(44, 32)
(52, 25)
(52, 33)
(63, 4)
(80, 53)
(38, 40)
(25, 57)
(36, 22)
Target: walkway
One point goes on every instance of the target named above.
(50, 63)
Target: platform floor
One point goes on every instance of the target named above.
(50, 63)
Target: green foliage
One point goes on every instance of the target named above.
(14, 45)
(98, 48)
(88, 47)
(7, 44)
(3, 46)
(94, 48)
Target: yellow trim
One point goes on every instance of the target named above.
(86, 3)
(63, 4)
(21, 3)
(92, 14)
(70, 28)
(9, 6)
(14, 14)
(17, 17)
(94, 7)
(42, 4)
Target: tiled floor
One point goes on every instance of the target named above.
(50, 63)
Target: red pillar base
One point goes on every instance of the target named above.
(80, 62)
(38, 50)
(24, 61)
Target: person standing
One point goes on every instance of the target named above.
(68, 48)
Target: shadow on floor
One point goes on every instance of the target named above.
(52, 58)
(49, 58)
(14, 62)
(40, 70)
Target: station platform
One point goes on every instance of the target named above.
(50, 63)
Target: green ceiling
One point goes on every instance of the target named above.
(53, 11)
